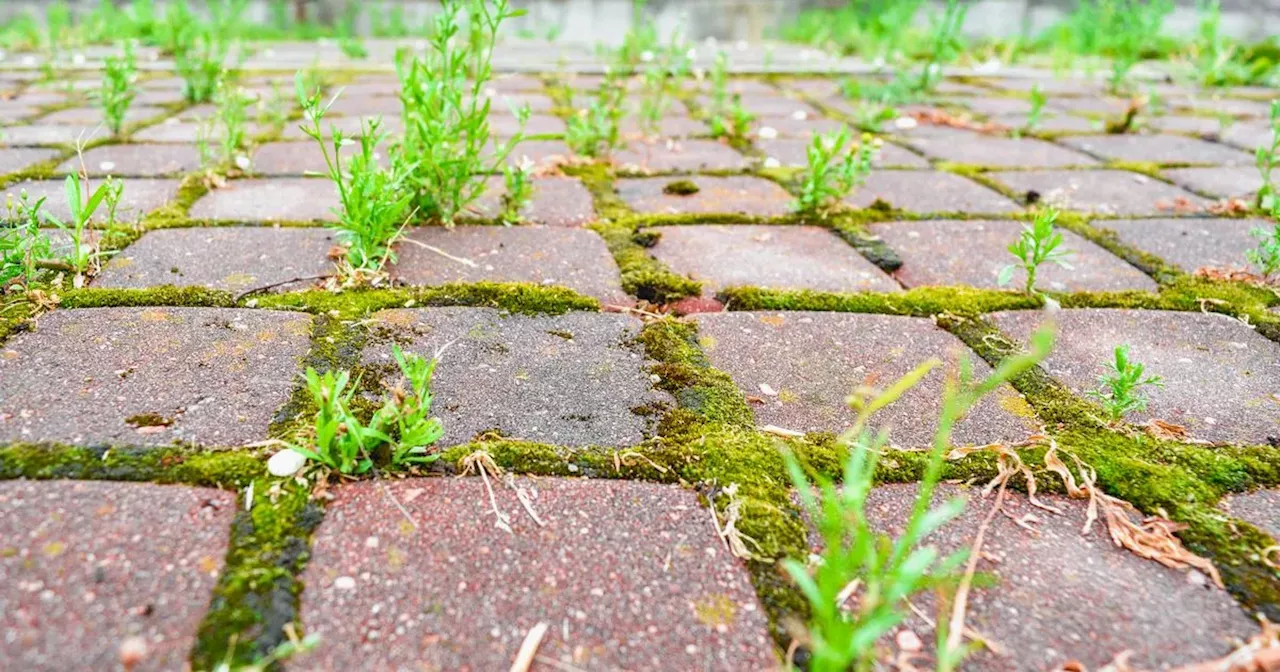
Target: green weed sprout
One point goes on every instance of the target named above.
(1121, 388)
(232, 113)
(81, 254)
(518, 182)
(1038, 243)
(888, 572)
(200, 64)
(834, 169)
(348, 33)
(1038, 100)
(445, 150)
(1268, 159)
(399, 433)
(594, 131)
(1266, 256)
(117, 91)
(375, 200)
(946, 44)
(23, 246)
(1128, 28)
(727, 116)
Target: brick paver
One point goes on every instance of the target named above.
(150, 376)
(973, 252)
(141, 196)
(681, 155)
(50, 134)
(928, 191)
(139, 160)
(794, 152)
(569, 379)
(1158, 149)
(774, 257)
(1218, 182)
(577, 259)
(1217, 371)
(967, 147)
(798, 368)
(85, 566)
(231, 258)
(297, 199)
(739, 195)
(1191, 243)
(12, 160)
(1104, 192)
(556, 201)
(627, 575)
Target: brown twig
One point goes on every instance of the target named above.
(263, 288)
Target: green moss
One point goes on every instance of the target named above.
(516, 297)
(230, 468)
(167, 295)
(642, 275)
(681, 188)
(921, 301)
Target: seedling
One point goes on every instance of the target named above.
(399, 434)
(1121, 389)
(117, 92)
(1128, 28)
(519, 190)
(200, 64)
(835, 168)
(82, 205)
(232, 103)
(875, 29)
(727, 116)
(445, 151)
(860, 588)
(655, 99)
(1268, 156)
(375, 200)
(1038, 100)
(946, 44)
(1266, 256)
(348, 33)
(594, 131)
(1037, 244)
(22, 245)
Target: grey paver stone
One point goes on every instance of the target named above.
(1260, 508)
(927, 191)
(737, 194)
(91, 116)
(573, 258)
(268, 200)
(811, 362)
(1219, 182)
(90, 376)
(960, 146)
(233, 258)
(570, 379)
(18, 158)
(626, 572)
(50, 134)
(1219, 374)
(973, 252)
(141, 195)
(189, 132)
(793, 152)
(135, 160)
(1158, 149)
(556, 201)
(682, 155)
(1190, 242)
(774, 257)
(77, 581)
(1106, 192)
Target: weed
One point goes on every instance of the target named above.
(641, 38)
(117, 91)
(727, 116)
(200, 63)
(23, 246)
(348, 33)
(594, 131)
(874, 29)
(1039, 242)
(874, 575)
(519, 190)
(283, 651)
(834, 169)
(1038, 100)
(946, 44)
(229, 124)
(114, 192)
(1268, 159)
(445, 151)
(401, 424)
(1266, 256)
(375, 200)
(82, 205)
(1121, 388)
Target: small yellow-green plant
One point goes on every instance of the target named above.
(200, 63)
(399, 434)
(117, 91)
(887, 572)
(834, 169)
(1268, 157)
(727, 116)
(227, 127)
(374, 200)
(594, 131)
(1038, 100)
(23, 246)
(518, 182)
(1121, 388)
(1038, 243)
(947, 43)
(1266, 256)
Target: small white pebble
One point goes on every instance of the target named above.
(344, 583)
(107, 165)
(771, 162)
(371, 542)
(285, 463)
(768, 133)
(906, 122)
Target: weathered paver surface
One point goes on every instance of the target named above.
(1103, 192)
(737, 195)
(573, 380)
(793, 152)
(628, 576)
(1218, 372)
(1158, 149)
(798, 368)
(141, 196)
(1191, 243)
(577, 259)
(929, 191)
(134, 161)
(86, 566)
(233, 258)
(294, 199)
(960, 146)
(150, 376)
(1260, 508)
(1043, 578)
(1218, 182)
(19, 158)
(556, 201)
(972, 253)
(681, 155)
(774, 257)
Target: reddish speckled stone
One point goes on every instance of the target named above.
(86, 565)
(628, 575)
(556, 201)
(270, 200)
(928, 191)
(742, 195)
(1158, 149)
(1106, 192)
(681, 155)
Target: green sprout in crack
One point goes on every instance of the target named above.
(518, 182)
(884, 573)
(117, 91)
(200, 64)
(398, 435)
(834, 169)
(947, 43)
(1121, 388)
(82, 205)
(374, 200)
(594, 131)
(1038, 243)
(227, 126)
(23, 246)
(1266, 256)
(445, 152)
(1268, 156)
(1038, 100)
(726, 114)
